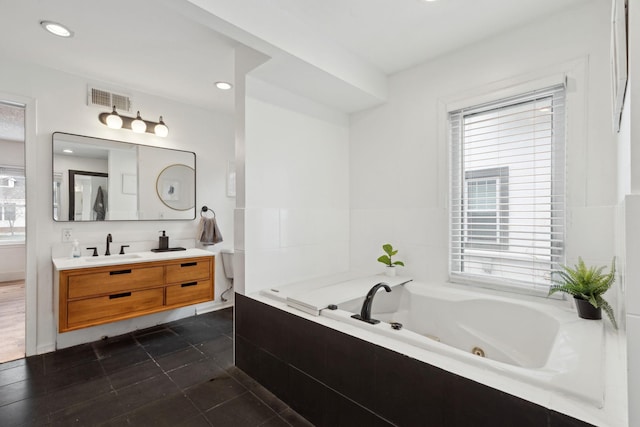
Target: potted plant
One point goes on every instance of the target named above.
(390, 269)
(586, 285)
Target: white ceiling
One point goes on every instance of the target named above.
(337, 52)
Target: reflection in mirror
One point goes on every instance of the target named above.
(174, 187)
(130, 173)
(87, 195)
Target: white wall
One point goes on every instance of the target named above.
(296, 216)
(629, 196)
(399, 161)
(61, 106)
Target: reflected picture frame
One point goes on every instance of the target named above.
(619, 59)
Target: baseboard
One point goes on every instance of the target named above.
(10, 276)
(213, 306)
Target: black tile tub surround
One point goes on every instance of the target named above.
(177, 374)
(334, 379)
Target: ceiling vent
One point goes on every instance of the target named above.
(106, 99)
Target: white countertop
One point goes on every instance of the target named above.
(68, 263)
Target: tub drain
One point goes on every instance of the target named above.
(478, 351)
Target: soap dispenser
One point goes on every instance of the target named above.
(75, 250)
(164, 241)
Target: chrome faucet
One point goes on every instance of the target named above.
(109, 240)
(365, 313)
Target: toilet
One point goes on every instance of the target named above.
(227, 262)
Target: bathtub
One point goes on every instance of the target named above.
(537, 344)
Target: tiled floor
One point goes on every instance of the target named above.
(177, 374)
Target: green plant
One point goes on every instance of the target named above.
(386, 259)
(587, 283)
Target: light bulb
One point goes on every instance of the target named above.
(161, 129)
(114, 121)
(224, 85)
(56, 29)
(138, 125)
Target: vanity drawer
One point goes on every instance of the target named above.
(189, 293)
(113, 307)
(189, 270)
(114, 280)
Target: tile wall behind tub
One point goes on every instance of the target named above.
(334, 379)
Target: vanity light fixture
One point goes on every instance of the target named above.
(161, 129)
(136, 124)
(56, 29)
(67, 150)
(224, 85)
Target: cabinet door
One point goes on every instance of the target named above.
(188, 270)
(189, 293)
(113, 280)
(123, 305)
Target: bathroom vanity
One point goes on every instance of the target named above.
(97, 290)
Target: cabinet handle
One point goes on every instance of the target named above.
(188, 264)
(184, 285)
(122, 295)
(112, 273)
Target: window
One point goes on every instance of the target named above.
(12, 204)
(507, 190)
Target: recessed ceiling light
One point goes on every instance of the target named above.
(56, 29)
(224, 85)
(66, 150)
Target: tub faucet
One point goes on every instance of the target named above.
(365, 313)
(108, 242)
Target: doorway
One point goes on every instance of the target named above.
(12, 231)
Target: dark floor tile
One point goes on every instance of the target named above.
(32, 411)
(242, 377)
(68, 358)
(21, 390)
(147, 331)
(78, 393)
(12, 364)
(114, 345)
(269, 399)
(196, 373)
(217, 345)
(162, 342)
(69, 376)
(14, 375)
(164, 412)
(145, 392)
(135, 374)
(124, 360)
(196, 332)
(275, 422)
(199, 421)
(214, 392)
(88, 413)
(294, 419)
(245, 410)
(179, 359)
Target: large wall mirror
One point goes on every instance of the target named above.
(103, 180)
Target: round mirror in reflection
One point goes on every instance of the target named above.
(176, 187)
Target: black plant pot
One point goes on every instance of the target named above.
(586, 310)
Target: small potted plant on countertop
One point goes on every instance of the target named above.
(586, 285)
(390, 269)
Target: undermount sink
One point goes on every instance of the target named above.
(111, 258)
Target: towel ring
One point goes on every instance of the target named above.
(206, 209)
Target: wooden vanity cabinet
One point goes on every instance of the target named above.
(97, 295)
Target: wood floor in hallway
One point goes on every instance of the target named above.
(12, 326)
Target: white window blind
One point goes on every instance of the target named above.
(507, 190)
